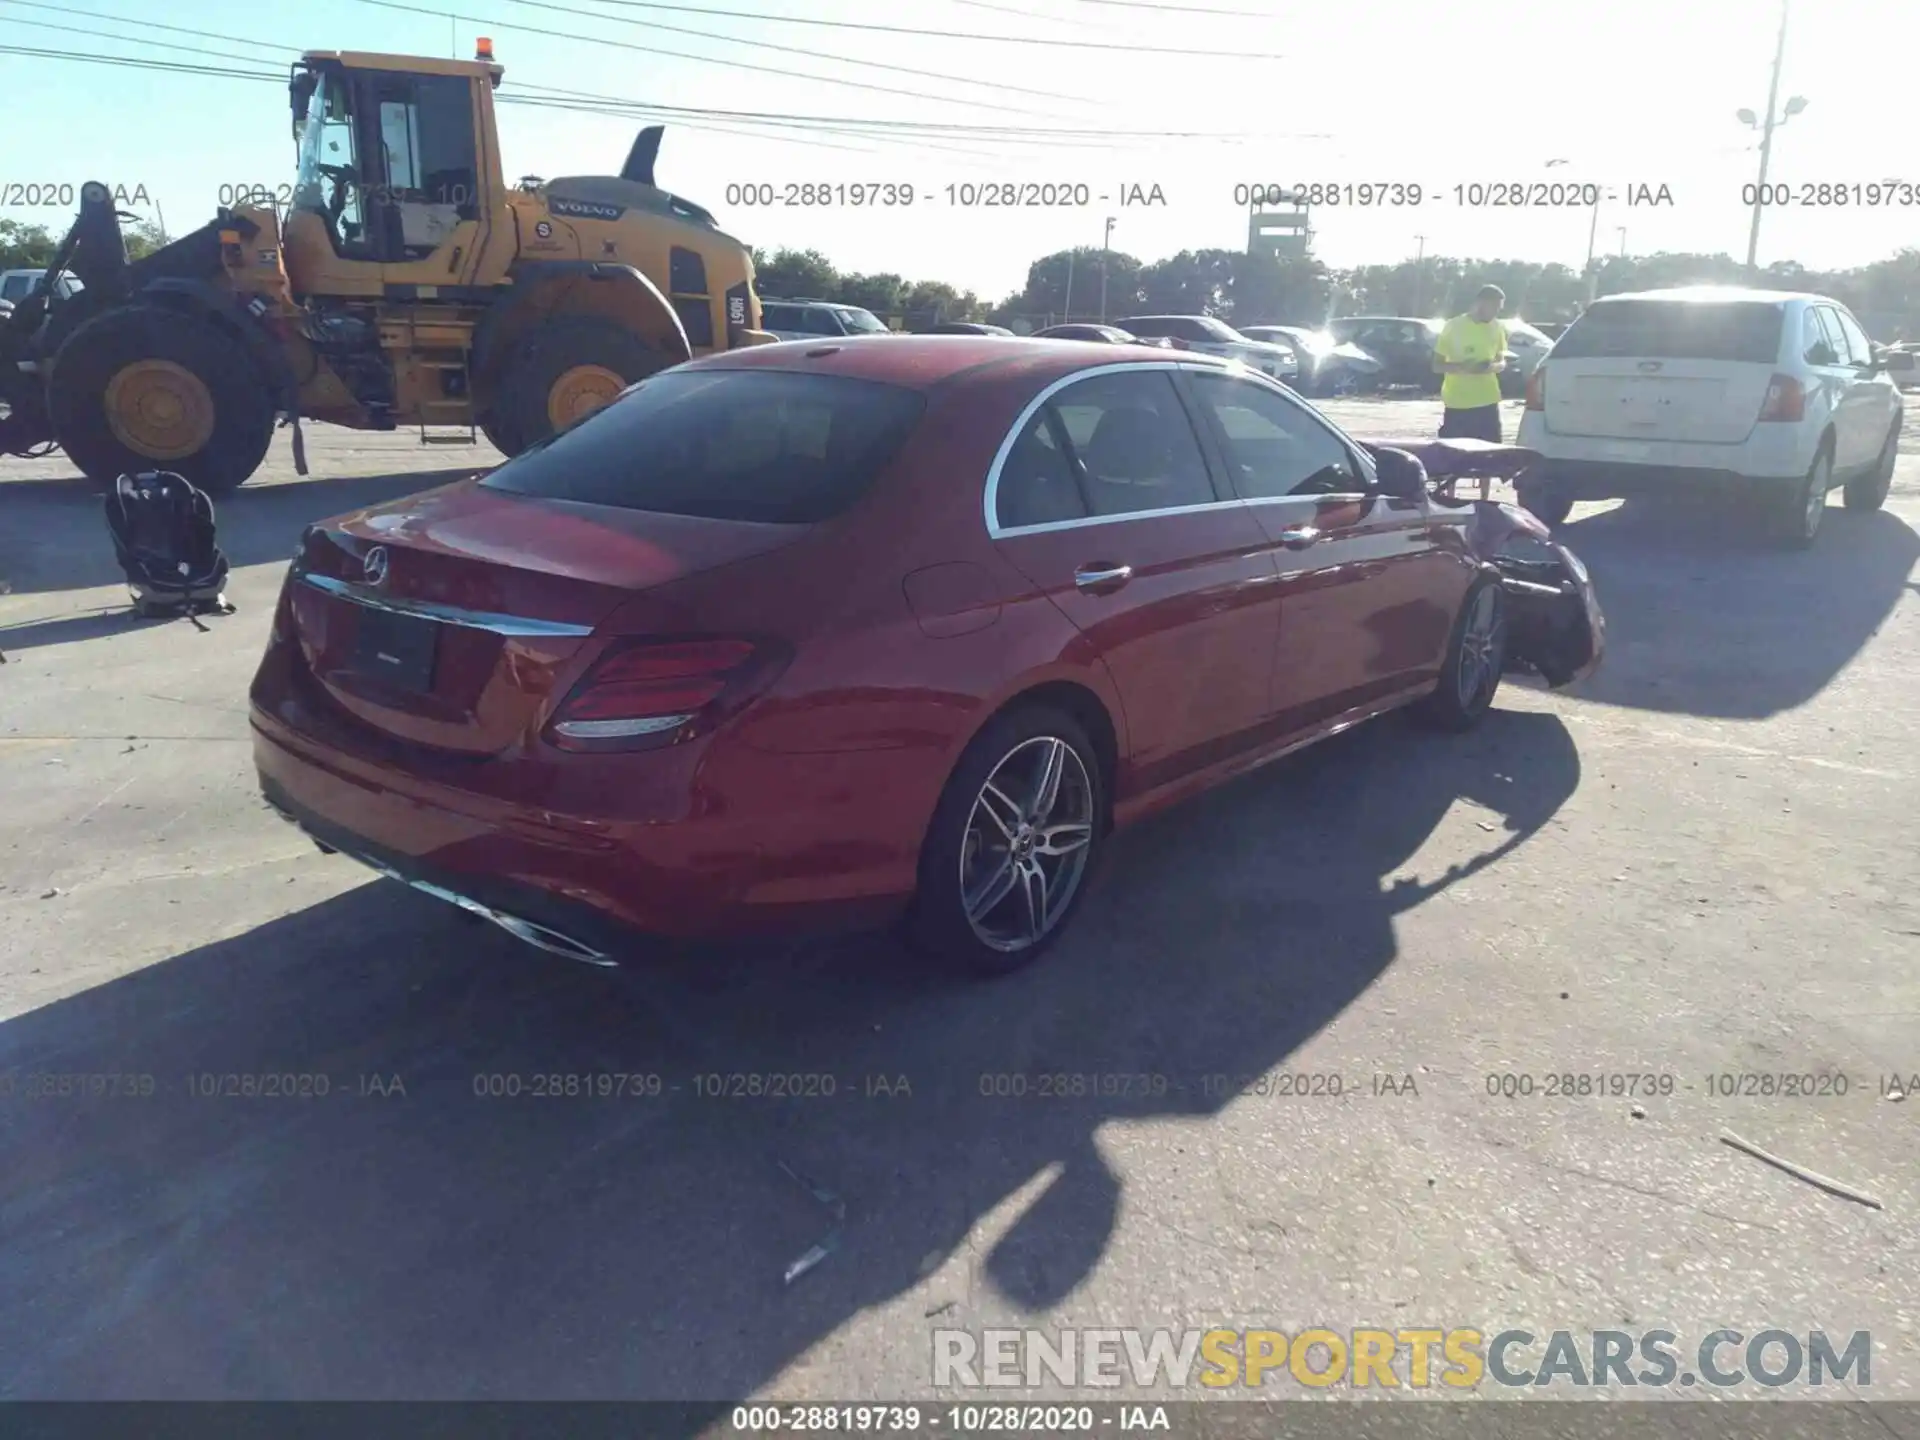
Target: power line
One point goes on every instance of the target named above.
(786, 73)
(150, 24)
(141, 64)
(138, 40)
(926, 34)
(875, 128)
(1180, 9)
(798, 50)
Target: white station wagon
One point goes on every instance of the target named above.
(1777, 395)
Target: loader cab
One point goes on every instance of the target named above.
(395, 164)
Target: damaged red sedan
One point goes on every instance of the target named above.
(856, 633)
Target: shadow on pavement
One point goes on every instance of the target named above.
(448, 1244)
(1705, 616)
(55, 536)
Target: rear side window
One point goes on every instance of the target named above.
(15, 287)
(1739, 330)
(755, 445)
(1133, 443)
(779, 317)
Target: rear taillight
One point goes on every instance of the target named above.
(1537, 388)
(1786, 400)
(655, 691)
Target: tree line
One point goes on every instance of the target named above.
(1248, 289)
(1253, 289)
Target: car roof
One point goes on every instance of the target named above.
(1708, 294)
(921, 362)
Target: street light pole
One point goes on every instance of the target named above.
(1623, 242)
(1419, 272)
(1766, 141)
(1069, 302)
(1106, 251)
(1593, 233)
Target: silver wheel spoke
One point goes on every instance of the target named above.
(1057, 840)
(1047, 793)
(1033, 884)
(1000, 808)
(981, 901)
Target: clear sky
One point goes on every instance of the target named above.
(1628, 92)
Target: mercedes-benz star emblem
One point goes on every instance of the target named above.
(376, 565)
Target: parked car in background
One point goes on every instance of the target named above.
(1098, 334)
(1903, 363)
(965, 327)
(1775, 395)
(1552, 329)
(1327, 367)
(16, 285)
(809, 319)
(875, 634)
(1210, 336)
(1403, 346)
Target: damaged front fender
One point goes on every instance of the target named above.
(1555, 626)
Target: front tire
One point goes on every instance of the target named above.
(1476, 659)
(564, 371)
(142, 387)
(1013, 841)
(1869, 491)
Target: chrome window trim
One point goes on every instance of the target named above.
(496, 623)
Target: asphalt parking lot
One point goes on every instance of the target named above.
(1700, 863)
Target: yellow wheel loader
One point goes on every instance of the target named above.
(401, 281)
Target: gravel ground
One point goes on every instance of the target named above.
(1699, 863)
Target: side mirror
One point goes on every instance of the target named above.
(1398, 474)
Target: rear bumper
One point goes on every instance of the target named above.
(761, 854)
(1597, 468)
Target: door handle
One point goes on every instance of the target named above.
(1097, 578)
(1299, 537)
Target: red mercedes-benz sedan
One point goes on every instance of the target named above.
(848, 633)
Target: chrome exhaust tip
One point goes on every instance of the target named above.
(542, 937)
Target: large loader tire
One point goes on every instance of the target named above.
(142, 387)
(563, 372)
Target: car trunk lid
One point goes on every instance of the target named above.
(449, 619)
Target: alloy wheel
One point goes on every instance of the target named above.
(1028, 838)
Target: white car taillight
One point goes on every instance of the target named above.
(1786, 400)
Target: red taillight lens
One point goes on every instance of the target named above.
(1786, 400)
(1537, 388)
(651, 689)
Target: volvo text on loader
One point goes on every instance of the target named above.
(403, 282)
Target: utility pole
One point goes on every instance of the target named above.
(1106, 254)
(1419, 272)
(1623, 242)
(1069, 305)
(1794, 107)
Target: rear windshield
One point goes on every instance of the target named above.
(758, 445)
(1744, 330)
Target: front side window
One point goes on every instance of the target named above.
(1816, 348)
(1835, 337)
(1274, 447)
(1858, 345)
(327, 179)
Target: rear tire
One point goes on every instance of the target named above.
(1869, 491)
(1798, 507)
(978, 838)
(142, 387)
(1476, 659)
(562, 372)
